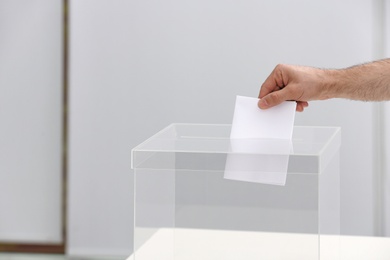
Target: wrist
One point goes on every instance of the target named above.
(332, 80)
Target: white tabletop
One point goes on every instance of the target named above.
(199, 244)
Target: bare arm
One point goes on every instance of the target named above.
(368, 82)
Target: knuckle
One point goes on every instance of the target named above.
(280, 66)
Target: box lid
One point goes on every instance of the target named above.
(206, 146)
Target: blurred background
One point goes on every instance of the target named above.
(83, 82)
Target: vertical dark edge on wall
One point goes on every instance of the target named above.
(54, 248)
(65, 106)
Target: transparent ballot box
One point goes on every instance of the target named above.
(201, 195)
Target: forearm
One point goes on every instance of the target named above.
(368, 82)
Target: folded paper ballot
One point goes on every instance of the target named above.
(260, 142)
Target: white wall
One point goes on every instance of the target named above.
(137, 66)
(385, 191)
(102, 123)
(30, 121)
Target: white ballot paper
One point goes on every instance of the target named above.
(260, 142)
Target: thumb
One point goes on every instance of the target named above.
(273, 99)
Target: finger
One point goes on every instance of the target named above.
(304, 103)
(301, 105)
(274, 98)
(269, 85)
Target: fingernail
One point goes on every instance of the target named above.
(263, 103)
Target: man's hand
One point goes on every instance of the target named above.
(297, 83)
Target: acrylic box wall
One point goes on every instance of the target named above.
(185, 207)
